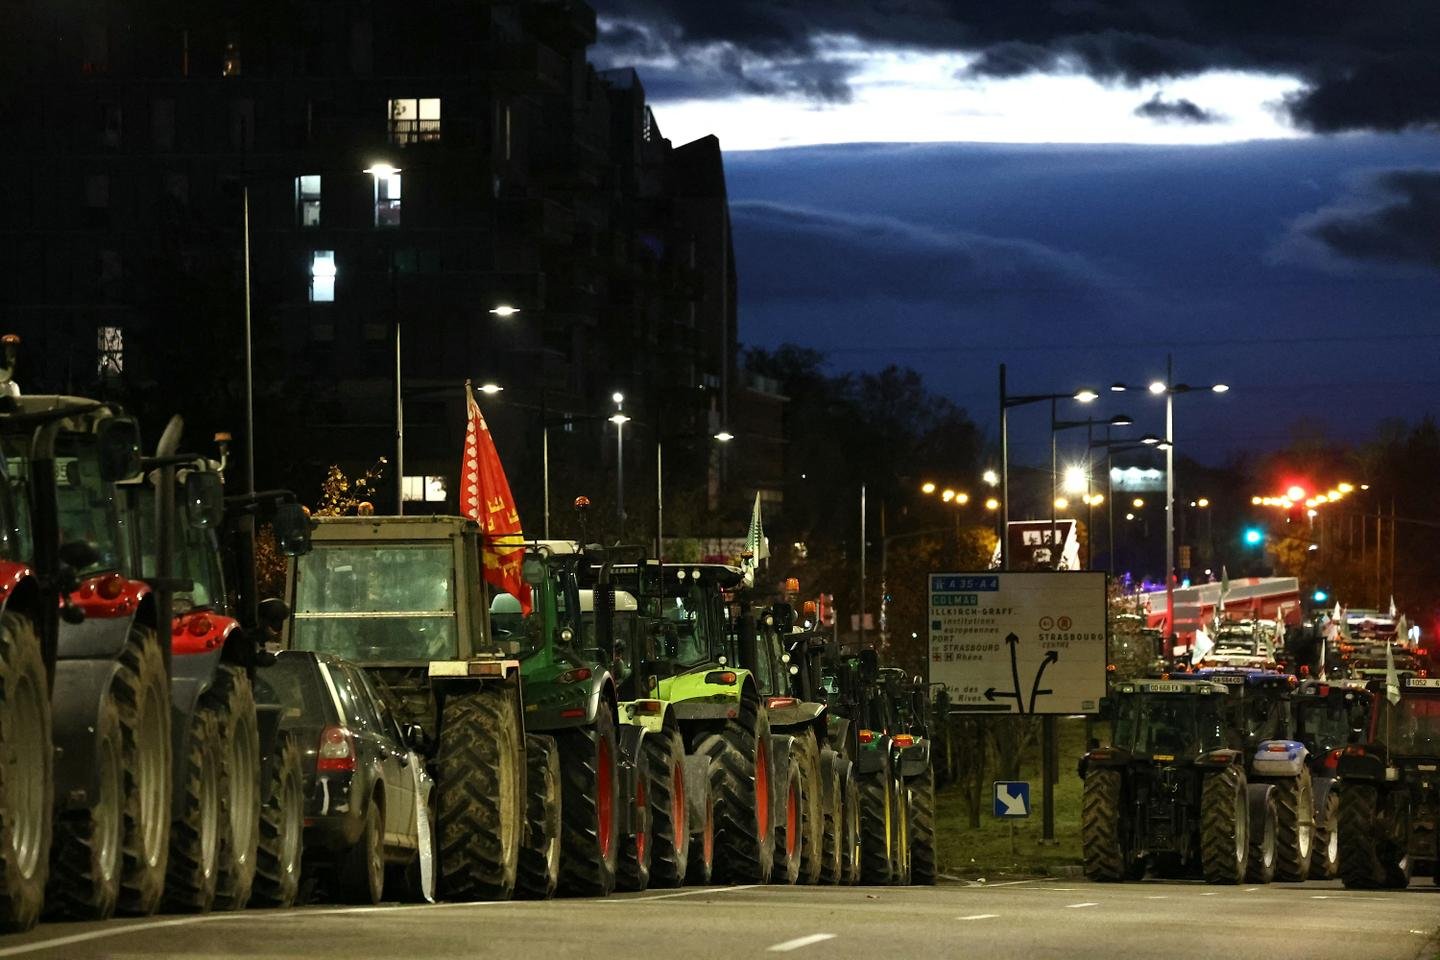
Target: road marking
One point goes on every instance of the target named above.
(1077, 906)
(1009, 883)
(799, 942)
(682, 893)
(1159, 897)
(1347, 897)
(1251, 889)
(980, 916)
(1212, 893)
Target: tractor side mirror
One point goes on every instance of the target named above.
(204, 498)
(292, 529)
(118, 448)
(532, 570)
(273, 612)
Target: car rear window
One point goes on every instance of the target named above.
(294, 683)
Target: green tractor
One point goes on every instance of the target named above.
(404, 597)
(910, 697)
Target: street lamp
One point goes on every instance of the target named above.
(1119, 420)
(619, 419)
(490, 389)
(1170, 388)
(505, 311)
(990, 477)
(379, 171)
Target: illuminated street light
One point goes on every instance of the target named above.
(1296, 492)
(490, 389)
(619, 418)
(927, 487)
(618, 397)
(1157, 387)
(1138, 502)
(1346, 488)
(992, 504)
(1221, 388)
(1086, 396)
(1203, 502)
(990, 477)
(1129, 516)
(1076, 480)
(724, 436)
(948, 495)
(1061, 503)
(962, 498)
(505, 311)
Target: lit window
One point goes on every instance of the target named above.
(110, 347)
(307, 200)
(322, 276)
(423, 489)
(415, 120)
(387, 200)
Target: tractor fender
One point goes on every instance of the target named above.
(1257, 795)
(1321, 787)
(780, 744)
(697, 788)
(791, 713)
(1361, 763)
(80, 687)
(130, 596)
(830, 763)
(630, 740)
(94, 638)
(915, 759)
(1279, 758)
(838, 732)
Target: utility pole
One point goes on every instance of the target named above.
(863, 607)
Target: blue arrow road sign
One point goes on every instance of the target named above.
(1012, 799)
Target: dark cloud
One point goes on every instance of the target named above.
(1363, 65)
(1394, 223)
(1181, 110)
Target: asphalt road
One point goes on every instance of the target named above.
(1029, 920)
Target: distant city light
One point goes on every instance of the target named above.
(990, 477)
(927, 487)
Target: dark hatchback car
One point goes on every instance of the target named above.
(364, 785)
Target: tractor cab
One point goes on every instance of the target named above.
(1170, 721)
(1260, 705)
(1329, 715)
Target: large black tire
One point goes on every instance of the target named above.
(480, 806)
(1224, 826)
(142, 691)
(790, 827)
(361, 871)
(877, 826)
(901, 845)
(632, 870)
(852, 837)
(1394, 848)
(590, 807)
(282, 829)
(233, 699)
(669, 823)
(27, 781)
(833, 820)
(1360, 839)
(85, 856)
(922, 828)
(1295, 827)
(539, 869)
(740, 775)
(806, 750)
(1325, 860)
(1102, 831)
(700, 869)
(1264, 842)
(197, 834)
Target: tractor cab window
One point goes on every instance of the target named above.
(86, 504)
(1263, 718)
(197, 550)
(1324, 724)
(684, 633)
(15, 542)
(1411, 727)
(1175, 725)
(376, 603)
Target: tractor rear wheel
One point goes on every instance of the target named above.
(1325, 861)
(789, 827)
(1102, 834)
(633, 868)
(700, 866)
(27, 782)
(1360, 865)
(233, 698)
(831, 840)
(198, 834)
(877, 825)
(480, 782)
(922, 828)
(282, 829)
(669, 823)
(142, 691)
(1295, 827)
(85, 855)
(740, 775)
(1264, 842)
(806, 750)
(1224, 826)
(590, 807)
(851, 833)
(538, 873)
(901, 846)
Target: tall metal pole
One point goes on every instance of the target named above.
(1169, 504)
(1089, 498)
(249, 351)
(659, 501)
(862, 567)
(1054, 490)
(399, 406)
(1004, 475)
(545, 469)
(1110, 502)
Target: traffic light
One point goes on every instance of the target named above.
(1253, 536)
(1320, 595)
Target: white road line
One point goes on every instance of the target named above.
(1008, 883)
(799, 942)
(1348, 897)
(682, 893)
(1212, 893)
(980, 916)
(1157, 897)
(1251, 889)
(1077, 906)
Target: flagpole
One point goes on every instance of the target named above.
(862, 566)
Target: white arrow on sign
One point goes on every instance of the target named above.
(1014, 806)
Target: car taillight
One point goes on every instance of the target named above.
(867, 736)
(337, 751)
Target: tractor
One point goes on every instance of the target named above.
(913, 710)
(1170, 792)
(1390, 801)
(1329, 715)
(404, 597)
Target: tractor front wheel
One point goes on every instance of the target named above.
(789, 827)
(1295, 827)
(1224, 826)
(1264, 842)
(1325, 861)
(831, 840)
(877, 825)
(922, 828)
(590, 807)
(1102, 834)
(669, 821)
(740, 780)
(233, 700)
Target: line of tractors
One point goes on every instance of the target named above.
(1239, 775)
(632, 723)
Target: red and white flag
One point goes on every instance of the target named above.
(485, 497)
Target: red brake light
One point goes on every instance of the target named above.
(1421, 652)
(1277, 748)
(574, 676)
(1324, 689)
(1332, 760)
(867, 736)
(725, 677)
(904, 740)
(110, 586)
(200, 626)
(572, 713)
(337, 751)
(780, 703)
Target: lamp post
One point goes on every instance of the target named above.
(1006, 402)
(1119, 420)
(619, 419)
(1111, 448)
(721, 436)
(384, 171)
(1170, 388)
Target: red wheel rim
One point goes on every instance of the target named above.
(792, 822)
(762, 787)
(678, 811)
(642, 837)
(707, 840)
(605, 800)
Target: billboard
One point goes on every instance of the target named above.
(1019, 641)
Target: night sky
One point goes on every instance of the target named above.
(1077, 188)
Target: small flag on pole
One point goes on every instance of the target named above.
(1392, 606)
(1392, 679)
(756, 546)
(485, 498)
